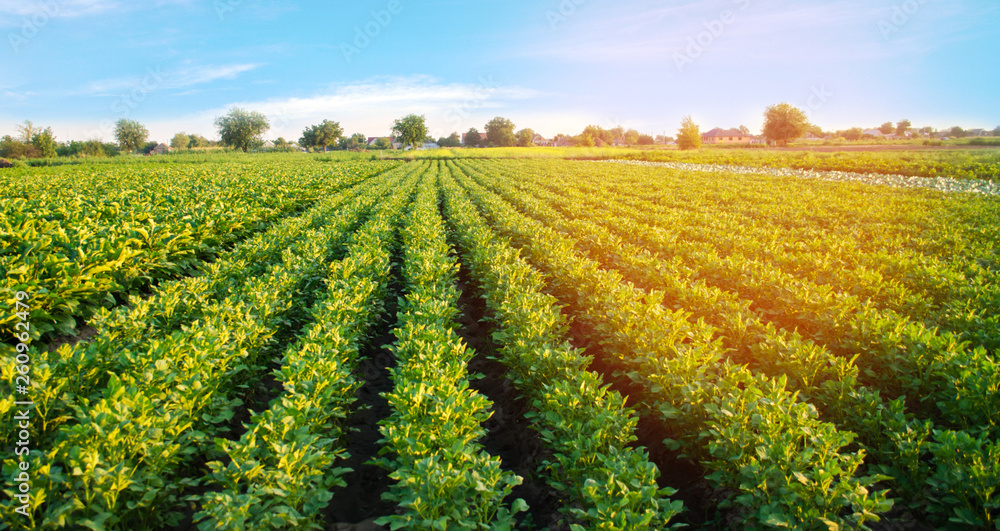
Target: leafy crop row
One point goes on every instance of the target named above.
(607, 484)
(785, 465)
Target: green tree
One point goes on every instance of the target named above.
(631, 137)
(500, 132)
(453, 140)
(957, 132)
(745, 130)
(321, 135)
(197, 141)
(131, 135)
(688, 136)
(45, 142)
(784, 122)
(180, 141)
(242, 129)
(28, 131)
(525, 137)
(382, 143)
(472, 137)
(586, 140)
(410, 129)
(617, 134)
(852, 134)
(886, 128)
(645, 140)
(13, 148)
(353, 142)
(902, 127)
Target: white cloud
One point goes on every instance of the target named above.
(155, 78)
(371, 106)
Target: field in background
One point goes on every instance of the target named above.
(294, 340)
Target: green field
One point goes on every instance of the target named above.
(470, 341)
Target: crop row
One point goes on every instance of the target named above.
(606, 484)
(784, 465)
(444, 479)
(131, 452)
(79, 241)
(900, 444)
(281, 471)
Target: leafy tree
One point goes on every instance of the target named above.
(197, 141)
(957, 132)
(242, 129)
(852, 134)
(525, 137)
(148, 148)
(617, 134)
(28, 131)
(13, 148)
(645, 140)
(688, 136)
(353, 142)
(631, 137)
(745, 130)
(410, 129)
(45, 142)
(131, 135)
(586, 140)
(902, 127)
(472, 138)
(886, 128)
(382, 143)
(784, 122)
(321, 135)
(454, 140)
(180, 141)
(996, 132)
(281, 142)
(599, 135)
(500, 132)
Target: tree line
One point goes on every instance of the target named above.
(243, 130)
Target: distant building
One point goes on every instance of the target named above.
(160, 149)
(724, 136)
(872, 132)
(268, 145)
(430, 145)
(540, 140)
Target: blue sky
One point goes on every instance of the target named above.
(552, 65)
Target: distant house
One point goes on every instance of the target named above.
(540, 140)
(268, 145)
(977, 132)
(724, 136)
(430, 145)
(872, 132)
(160, 149)
(482, 138)
(811, 136)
